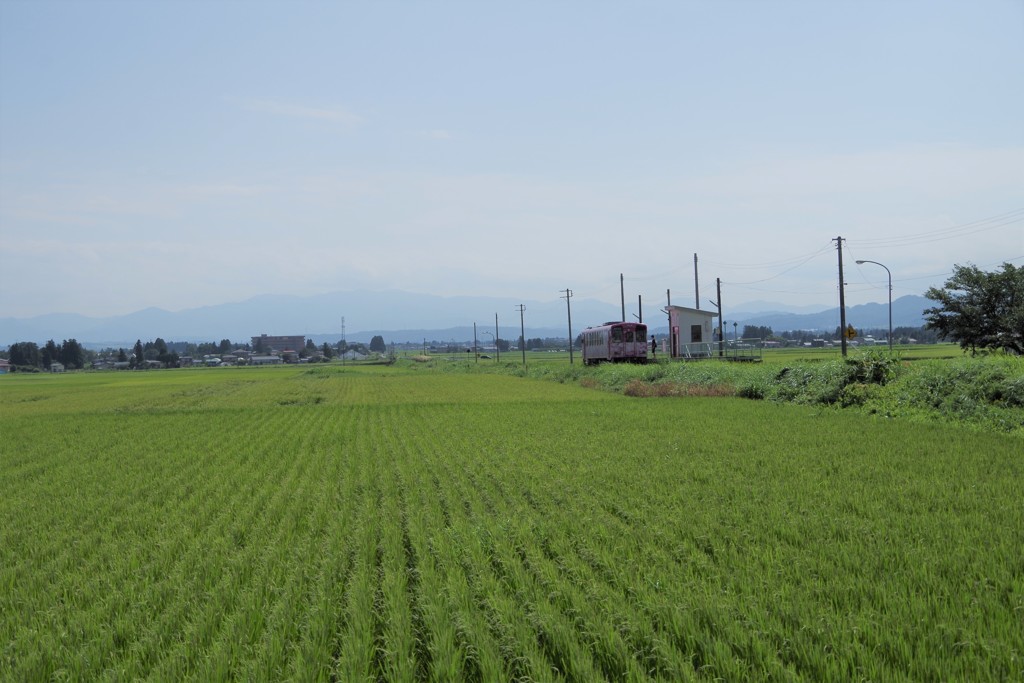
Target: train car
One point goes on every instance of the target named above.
(615, 342)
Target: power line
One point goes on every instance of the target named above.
(991, 223)
(781, 273)
(803, 258)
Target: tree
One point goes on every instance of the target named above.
(137, 355)
(49, 354)
(757, 332)
(327, 351)
(981, 310)
(225, 346)
(502, 344)
(71, 354)
(24, 354)
(377, 344)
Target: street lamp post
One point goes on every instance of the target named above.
(890, 296)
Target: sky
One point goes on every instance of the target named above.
(183, 154)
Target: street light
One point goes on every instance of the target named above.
(890, 296)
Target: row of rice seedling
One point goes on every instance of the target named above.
(394, 530)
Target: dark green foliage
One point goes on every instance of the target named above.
(980, 310)
(71, 354)
(24, 354)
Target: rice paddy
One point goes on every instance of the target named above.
(382, 523)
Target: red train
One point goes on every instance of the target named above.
(616, 343)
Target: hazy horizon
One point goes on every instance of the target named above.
(178, 155)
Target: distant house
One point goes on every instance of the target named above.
(265, 360)
(5, 366)
(352, 354)
(56, 366)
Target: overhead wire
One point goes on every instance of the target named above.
(991, 223)
(783, 272)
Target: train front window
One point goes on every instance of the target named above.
(629, 336)
(616, 334)
(641, 333)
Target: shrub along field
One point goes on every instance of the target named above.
(984, 392)
(400, 523)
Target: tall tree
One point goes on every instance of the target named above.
(980, 310)
(25, 354)
(50, 353)
(377, 344)
(137, 357)
(71, 354)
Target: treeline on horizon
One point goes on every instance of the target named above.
(31, 357)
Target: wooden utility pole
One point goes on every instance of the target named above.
(696, 282)
(842, 296)
(568, 312)
(622, 295)
(497, 346)
(721, 342)
(668, 312)
(640, 307)
(522, 332)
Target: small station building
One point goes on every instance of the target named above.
(691, 332)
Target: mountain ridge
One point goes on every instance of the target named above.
(403, 317)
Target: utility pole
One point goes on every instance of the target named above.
(640, 307)
(721, 342)
(696, 283)
(842, 296)
(568, 312)
(497, 346)
(668, 312)
(476, 349)
(522, 332)
(622, 295)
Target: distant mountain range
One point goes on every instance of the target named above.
(405, 317)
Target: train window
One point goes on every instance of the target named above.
(629, 336)
(641, 333)
(616, 334)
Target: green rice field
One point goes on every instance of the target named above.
(402, 523)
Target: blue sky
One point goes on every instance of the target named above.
(180, 154)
